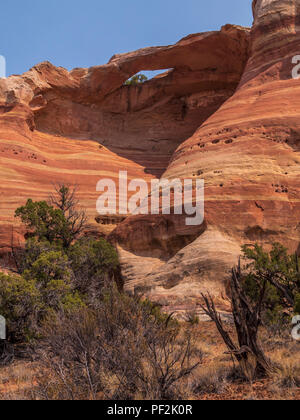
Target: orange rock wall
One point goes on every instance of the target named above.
(84, 125)
(226, 110)
(248, 153)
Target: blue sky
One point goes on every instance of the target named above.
(86, 33)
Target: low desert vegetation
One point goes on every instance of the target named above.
(280, 273)
(136, 80)
(266, 294)
(59, 269)
(124, 350)
(74, 334)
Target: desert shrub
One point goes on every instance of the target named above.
(214, 380)
(154, 310)
(120, 351)
(93, 262)
(297, 304)
(71, 356)
(192, 318)
(58, 273)
(43, 221)
(136, 80)
(56, 257)
(26, 301)
(287, 376)
(60, 221)
(45, 285)
(84, 267)
(20, 303)
(33, 250)
(281, 273)
(48, 267)
(53, 278)
(247, 349)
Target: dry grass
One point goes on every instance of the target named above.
(216, 379)
(18, 380)
(219, 379)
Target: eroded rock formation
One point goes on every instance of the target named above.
(226, 109)
(248, 152)
(80, 126)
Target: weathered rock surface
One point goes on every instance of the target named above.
(248, 152)
(226, 109)
(84, 125)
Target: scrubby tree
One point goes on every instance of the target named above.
(65, 199)
(265, 292)
(247, 320)
(53, 278)
(20, 302)
(136, 80)
(61, 220)
(43, 288)
(280, 272)
(121, 351)
(42, 220)
(61, 271)
(31, 252)
(94, 262)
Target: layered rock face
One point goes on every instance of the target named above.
(80, 126)
(248, 153)
(226, 110)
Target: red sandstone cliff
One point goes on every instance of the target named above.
(248, 152)
(83, 125)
